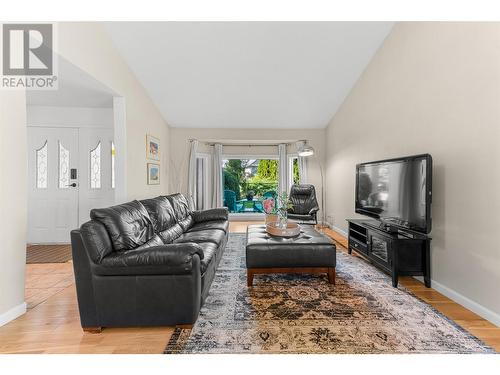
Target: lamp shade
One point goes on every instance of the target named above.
(306, 150)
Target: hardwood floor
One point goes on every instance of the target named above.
(45, 280)
(468, 320)
(52, 324)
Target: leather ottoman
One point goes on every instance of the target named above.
(309, 252)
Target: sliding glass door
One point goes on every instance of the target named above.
(249, 181)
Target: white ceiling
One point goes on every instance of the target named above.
(76, 88)
(289, 75)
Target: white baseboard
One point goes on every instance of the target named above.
(473, 306)
(337, 229)
(246, 217)
(12, 314)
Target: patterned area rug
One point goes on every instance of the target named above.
(362, 313)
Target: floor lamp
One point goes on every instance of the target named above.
(306, 151)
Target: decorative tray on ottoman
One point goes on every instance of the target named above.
(291, 230)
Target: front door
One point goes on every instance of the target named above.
(70, 171)
(52, 184)
(97, 168)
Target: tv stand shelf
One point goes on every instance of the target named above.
(395, 251)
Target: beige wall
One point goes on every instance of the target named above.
(13, 198)
(179, 148)
(434, 87)
(86, 45)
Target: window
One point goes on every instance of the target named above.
(247, 182)
(113, 153)
(293, 171)
(95, 167)
(63, 167)
(42, 166)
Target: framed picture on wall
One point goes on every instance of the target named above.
(153, 174)
(152, 147)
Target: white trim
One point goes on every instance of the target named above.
(120, 137)
(336, 229)
(237, 216)
(289, 161)
(12, 314)
(250, 157)
(473, 306)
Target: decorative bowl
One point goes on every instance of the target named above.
(291, 230)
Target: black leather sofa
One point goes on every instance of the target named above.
(146, 263)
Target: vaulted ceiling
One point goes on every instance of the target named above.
(289, 75)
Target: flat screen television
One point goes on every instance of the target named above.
(397, 191)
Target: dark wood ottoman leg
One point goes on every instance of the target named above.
(92, 329)
(331, 275)
(249, 277)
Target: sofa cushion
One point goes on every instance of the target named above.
(210, 215)
(163, 217)
(215, 224)
(155, 241)
(128, 224)
(161, 213)
(209, 251)
(96, 240)
(170, 234)
(181, 210)
(215, 236)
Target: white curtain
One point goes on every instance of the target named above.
(302, 163)
(218, 182)
(192, 175)
(283, 169)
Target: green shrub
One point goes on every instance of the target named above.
(261, 185)
(231, 182)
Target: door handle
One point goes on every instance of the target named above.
(73, 184)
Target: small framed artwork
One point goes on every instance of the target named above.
(152, 147)
(153, 174)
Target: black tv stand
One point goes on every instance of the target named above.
(396, 251)
(391, 229)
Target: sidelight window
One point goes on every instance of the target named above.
(95, 167)
(63, 167)
(42, 166)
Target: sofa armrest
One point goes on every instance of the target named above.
(209, 215)
(171, 259)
